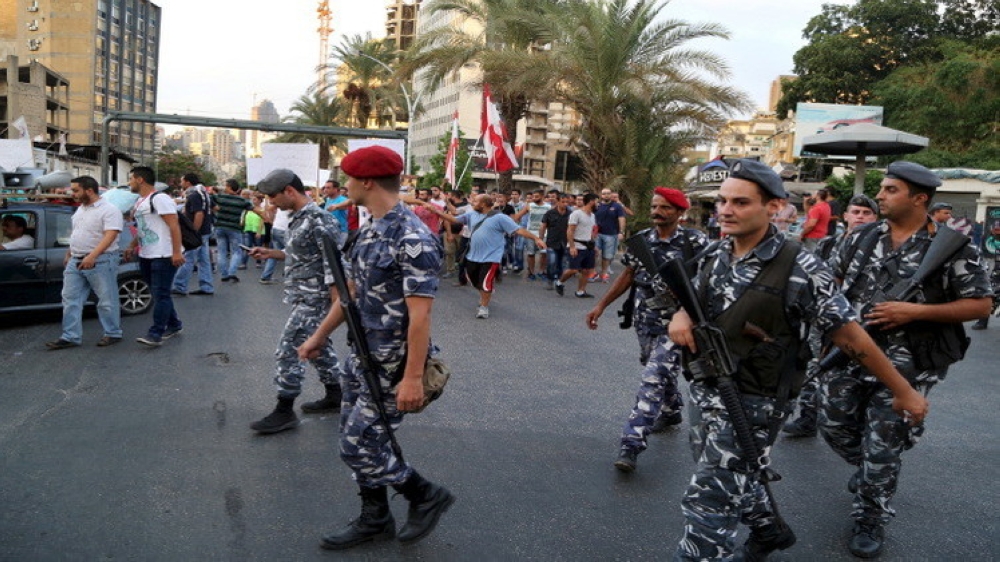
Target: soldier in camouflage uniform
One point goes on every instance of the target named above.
(393, 266)
(307, 289)
(724, 492)
(921, 339)
(860, 210)
(658, 403)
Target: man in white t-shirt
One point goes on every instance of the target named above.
(91, 264)
(160, 252)
(580, 237)
(534, 210)
(13, 234)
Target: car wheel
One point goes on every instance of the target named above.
(134, 295)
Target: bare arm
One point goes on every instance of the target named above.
(893, 314)
(618, 288)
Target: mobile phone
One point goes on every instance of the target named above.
(245, 248)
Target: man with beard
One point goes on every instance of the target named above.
(658, 403)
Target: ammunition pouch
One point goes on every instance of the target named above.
(935, 345)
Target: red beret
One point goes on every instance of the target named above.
(673, 196)
(372, 162)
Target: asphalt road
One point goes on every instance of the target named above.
(129, 453)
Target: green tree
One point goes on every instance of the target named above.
(955, 102)
(170, 167)
(316, 108)
(642, 94)
(435, 176)
(505, 38)
(371, 89)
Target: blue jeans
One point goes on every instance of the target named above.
(230, 254)
(607, 246)
(250, 239)
(159, 273)
(557, 259)
(200, 257)
(77, 285)
(277, 243)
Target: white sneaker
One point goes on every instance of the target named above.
(484, 312)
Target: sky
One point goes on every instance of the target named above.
(217, 57)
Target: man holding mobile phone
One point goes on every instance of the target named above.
(308, 282)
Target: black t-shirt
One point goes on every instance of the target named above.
(555, 228)
(196, 203)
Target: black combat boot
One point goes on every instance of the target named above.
(283, 417)
(664, 421)
(803, 426)
(428, 502)
(981, 324)
(765, 540)
(374, 523)
(867, 540)
(329, 403)
(626, 460)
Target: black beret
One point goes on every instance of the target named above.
(939, 206)
(760, 174)
(914, 173)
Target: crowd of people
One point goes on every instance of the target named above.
(776, 305)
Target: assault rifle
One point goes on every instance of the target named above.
(356, 338)
(944, 245)
(714, 363)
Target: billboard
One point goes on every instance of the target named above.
(818, 118)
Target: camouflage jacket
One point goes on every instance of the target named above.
(307, 275)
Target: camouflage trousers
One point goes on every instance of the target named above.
(722, 494)
(290, 371)
(809, 395)
(857, 420)
(364, 443)
(657, 396)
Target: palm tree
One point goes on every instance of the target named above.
(370, 87)
(504, 37)
(316, 109)
(641, 95)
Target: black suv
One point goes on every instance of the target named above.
(33, 279)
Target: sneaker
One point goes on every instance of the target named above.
(531, 277)
(605, 278)
(224, 279)
(61, 344)
(867, 540)
(150, 340)
(483, 312)
(171, 333)
(583, 295)
(234, 279)
(594, 278)
(626, 460)
(241, 267)
(201, 292)
(560, 288)
(268, 282)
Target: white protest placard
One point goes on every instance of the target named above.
(255, 170)
(323, 176)
(16, 152)
(301, 158)
(397, 145)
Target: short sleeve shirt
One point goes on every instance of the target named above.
(606, 215)
(394, 257)
(584, 231)
(555, 228)
(487, 243)
(90, 222)
(821, 212)
(153, 232)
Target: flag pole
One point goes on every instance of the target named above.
(458, 182)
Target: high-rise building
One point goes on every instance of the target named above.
(108, 51)
(401, 22)
(266, 112)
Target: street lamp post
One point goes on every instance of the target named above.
(410, 105)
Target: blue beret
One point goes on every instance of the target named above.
(760, 174)
(913, 173)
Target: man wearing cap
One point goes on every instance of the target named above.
(860, 210)
(308, 280)
(745, 279)
(658, 403)
(393, 265)
(922, 339)
(940, 212)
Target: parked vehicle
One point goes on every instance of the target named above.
(33, 279)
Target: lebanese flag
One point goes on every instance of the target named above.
(452, 156)
(500, 157)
